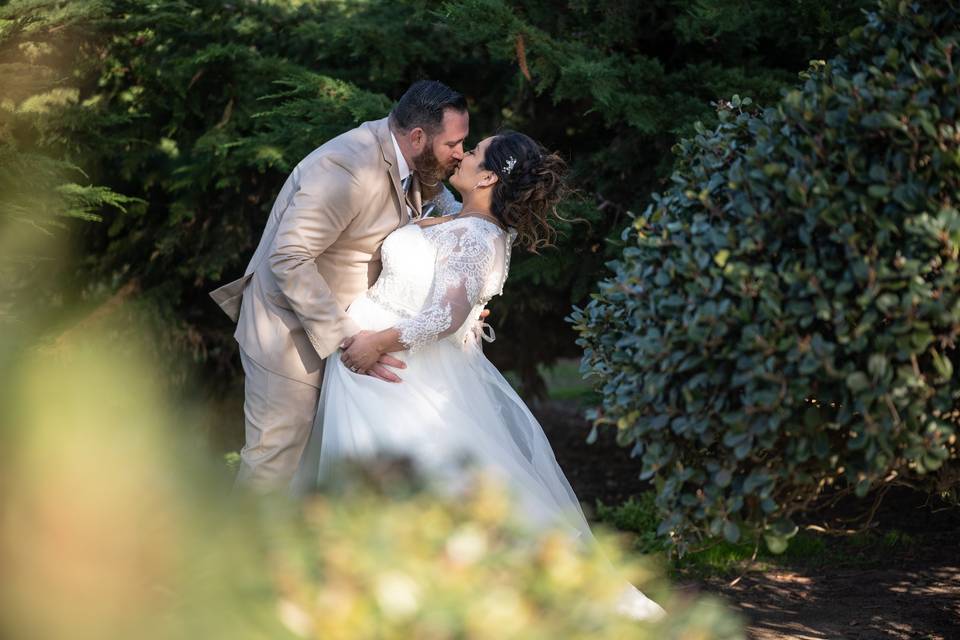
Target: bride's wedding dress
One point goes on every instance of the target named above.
(452, 404)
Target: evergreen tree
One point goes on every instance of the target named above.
(195, 110)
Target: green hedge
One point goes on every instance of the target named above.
(785, 316)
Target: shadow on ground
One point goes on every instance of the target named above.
(911, 594)
(918, 601)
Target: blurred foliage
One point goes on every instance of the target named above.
(784, 318)
(195, 110)
(114, 524)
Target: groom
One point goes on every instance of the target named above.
(320, 249)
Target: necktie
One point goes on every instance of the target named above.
(405, 186)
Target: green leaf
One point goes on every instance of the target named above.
(776, 544)
(943, 365)
(783, 527)
(858, 381)
(878, 366)
(731, 532)
(878, 190)
(723, 478)
(592, 436)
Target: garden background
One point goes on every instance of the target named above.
(762, 284)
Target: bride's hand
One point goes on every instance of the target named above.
(382, 370)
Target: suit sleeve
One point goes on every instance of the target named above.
(328, 200)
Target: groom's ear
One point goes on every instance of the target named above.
(418, 138)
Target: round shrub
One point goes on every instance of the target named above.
(784, 318)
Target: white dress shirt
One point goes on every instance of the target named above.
(402, 166)
(404, 170)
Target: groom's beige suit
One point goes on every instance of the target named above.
(320, 249)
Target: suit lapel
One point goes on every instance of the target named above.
(392, 168)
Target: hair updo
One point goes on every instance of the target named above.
(530, 185)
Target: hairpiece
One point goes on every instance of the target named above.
(509, 165)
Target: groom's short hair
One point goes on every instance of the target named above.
(423, 105)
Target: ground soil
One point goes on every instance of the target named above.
(909, 594)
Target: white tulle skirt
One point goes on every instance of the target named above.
(452, 405)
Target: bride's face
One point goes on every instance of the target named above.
(469, 173)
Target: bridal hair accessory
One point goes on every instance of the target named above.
(509, 165)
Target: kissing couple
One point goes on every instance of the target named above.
(359, 315)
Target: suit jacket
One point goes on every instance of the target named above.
(320, 249)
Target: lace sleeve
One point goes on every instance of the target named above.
(470, 257)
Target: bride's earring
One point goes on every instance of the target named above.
(477, 186)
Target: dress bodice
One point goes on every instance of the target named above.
(438, 278)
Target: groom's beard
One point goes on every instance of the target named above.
(428, 167)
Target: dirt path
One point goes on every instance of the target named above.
(907, 602)
(913, 596)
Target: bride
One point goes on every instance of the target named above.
(453, 404)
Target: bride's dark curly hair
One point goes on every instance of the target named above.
(531, 183)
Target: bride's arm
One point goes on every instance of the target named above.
(437, 321)
(466, 258)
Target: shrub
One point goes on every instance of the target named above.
(421, 567)
(785, 316)
(638, 515)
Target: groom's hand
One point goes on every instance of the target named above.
(363, 353)
(360, 351)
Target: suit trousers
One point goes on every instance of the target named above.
(278, 417)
